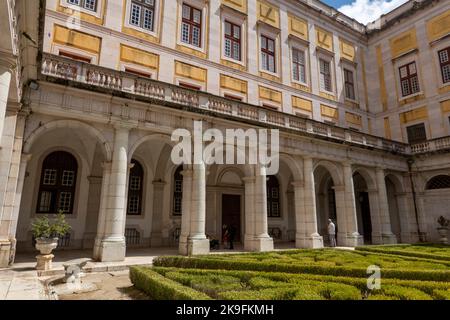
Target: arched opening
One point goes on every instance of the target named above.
(439, 182)
(135, 189)
(362, 207)
(177, 191)
(273, 197)
(57, 184)
(325, 202)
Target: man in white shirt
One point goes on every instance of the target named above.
(332, 233)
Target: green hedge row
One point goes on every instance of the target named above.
(239, 264)
(160, 288)
(405, 253)
(438, 290)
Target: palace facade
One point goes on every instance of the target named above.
(91, 91)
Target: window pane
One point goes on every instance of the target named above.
(237, 32)
(185, 32)
(90, 4)
(263, 42)
(403, 72)
(49, 177)
(295, 72)
(443, 56)
(133, 204)
(236, 51)
(270, 45)
(227, 28)
(264, 60)
(271, 64)
(46, 200)
(186, 12)
(135, 14)
(148, 19)
(228, 48)
(68, 178)
(405, 88)
(135, 183)
(302, 74)
(416, 133)
(446, 73)
(75, 2)
(197, 16)
(415, 84)
(196, 36)
(412, 68)
(65, 199)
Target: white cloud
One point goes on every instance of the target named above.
(366, 11)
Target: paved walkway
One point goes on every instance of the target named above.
(21, 285)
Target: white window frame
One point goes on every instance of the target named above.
(153, 73)
(300, 47)
(97, 13)
(268, 32)
(56, 48)
(156, 19)
(435, 51)
(228, 15)
(402, 61)
(200, 5)
(330, 60)
(353, 69)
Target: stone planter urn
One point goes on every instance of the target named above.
(45, 247)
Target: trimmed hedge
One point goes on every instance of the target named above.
(405, 253)
(160, 288)
(240, 264)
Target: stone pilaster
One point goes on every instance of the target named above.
(307, 235)
(112, 244)
(5, 81)
(386, 231)
(158, 194)
(351, 237)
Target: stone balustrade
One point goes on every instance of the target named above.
(61, 67)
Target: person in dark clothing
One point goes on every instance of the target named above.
(231, 235)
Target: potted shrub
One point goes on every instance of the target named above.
(443, 228)
(47, 232)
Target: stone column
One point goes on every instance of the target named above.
(158, 194)
(386, 231)
(307, 235)
(102, 210)
(375, 217)
(352, 238)
(404, 205)
(5, 81)
(112, 245)
(261, 240)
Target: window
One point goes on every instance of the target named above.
(349, 84)
(142, 14)
(57, 184)
(325, 75)
(268, 54)
(135, 187)
(90, 5)
(273, 197)
(408, 79)
(191, 26)
(439, 182)
(177, 191)
(298, 65)
(74, 56)
(232, 41)
(416, 133)
(189, 86)
(444, 62)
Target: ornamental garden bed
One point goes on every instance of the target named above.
(325, 274)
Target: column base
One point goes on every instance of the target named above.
(44, 262)
(350, 240)
(109, 251)
(258, 244)
(311, 242)
(389, 238)
(6, 251)
(192, 247)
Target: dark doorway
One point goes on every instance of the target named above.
(231, 213)
(365, 213)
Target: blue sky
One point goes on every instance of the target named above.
(365, 11)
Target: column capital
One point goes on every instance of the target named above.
(347, 163)
(106, 165)
(123, 125)
(186, 173)
(159, 183)
(26, 157)
(131, 165)
(339, 188)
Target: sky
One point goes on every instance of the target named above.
(365, 11)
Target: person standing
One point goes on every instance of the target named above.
(332, 233)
